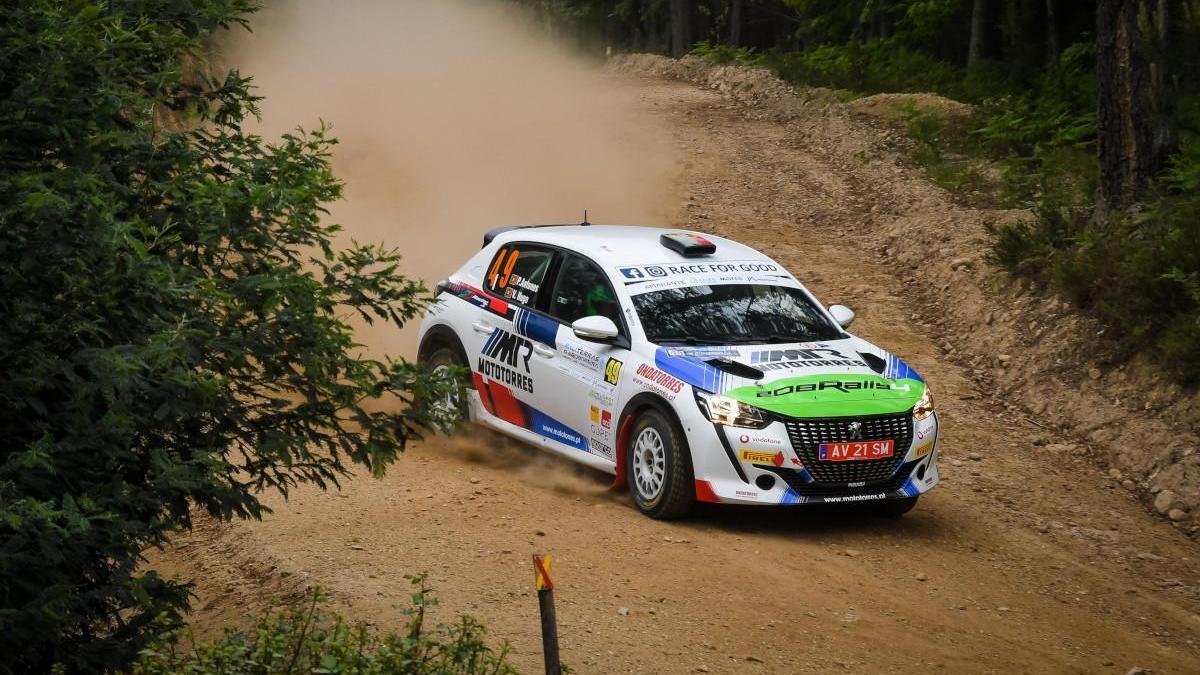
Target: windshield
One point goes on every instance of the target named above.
(733, 314)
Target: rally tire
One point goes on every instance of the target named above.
(443, 357)
(894, 508)
(658, 467)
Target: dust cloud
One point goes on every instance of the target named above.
(538, 469)
(453, 117)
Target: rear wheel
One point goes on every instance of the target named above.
(658, 467)
(894, 508)
(442, 360)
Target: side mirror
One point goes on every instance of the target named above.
(595, 329)
(842, 314)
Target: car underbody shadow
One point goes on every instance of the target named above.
(815, 519)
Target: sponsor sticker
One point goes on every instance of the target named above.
(649, 278)
(664, 270)
(601, 417)
(762, 457)
(809, 357)
(553, 429)
(601, 448)
(583, 357)
(704, 352)
(923, 450)
(659, 380)
(572, 372)
(602, 396)
(747, 439)
(505, 355)
(854, 498)
(844, 386)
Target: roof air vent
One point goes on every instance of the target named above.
(688, 245)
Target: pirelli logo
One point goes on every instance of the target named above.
(758, 457)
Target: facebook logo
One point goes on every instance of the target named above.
(632, 272)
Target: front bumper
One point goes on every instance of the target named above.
(777, 464)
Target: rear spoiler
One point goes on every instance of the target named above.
(497, 231)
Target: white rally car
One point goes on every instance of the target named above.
(690, 366)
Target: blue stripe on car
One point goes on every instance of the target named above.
(545, 425)
(897, 369)
(537, 327)
(691, 370)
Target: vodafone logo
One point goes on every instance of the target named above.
(759, 440)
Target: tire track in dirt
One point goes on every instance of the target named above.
(1025, 559)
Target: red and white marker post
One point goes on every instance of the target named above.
(545, 591)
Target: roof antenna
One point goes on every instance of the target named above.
(585, 220)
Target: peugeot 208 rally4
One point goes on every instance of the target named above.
(690, 366)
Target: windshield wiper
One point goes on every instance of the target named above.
(690, 340)
(764, 339)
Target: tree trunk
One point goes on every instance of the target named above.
(735, 22)
(1162, 95)
(1011, 23)
(864, 20)
(1052, 48)
(1125, 146)
(978, 28)
(652, 28)
(680, 27)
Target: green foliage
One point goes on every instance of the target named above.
(1139, 274)
(1044, 138)
(310, 639)
(174, 319)
(725, 54)
(1183, 173)
(871, 68)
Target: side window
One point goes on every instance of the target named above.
(517, 272)
(583, 290)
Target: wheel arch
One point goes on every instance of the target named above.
(438, 336)
(636, 405)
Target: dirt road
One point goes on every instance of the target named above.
(1027, 558)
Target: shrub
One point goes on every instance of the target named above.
(310, 639)
(874, 67)
(726, 54)
(173, 319)
(1138, 273)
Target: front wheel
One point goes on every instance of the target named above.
(894, 508)
(658, 467)
(453, 404)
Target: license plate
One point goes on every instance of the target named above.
(854, 450)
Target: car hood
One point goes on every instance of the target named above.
(837, 378)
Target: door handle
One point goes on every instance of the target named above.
(482, 327)
(542, 350)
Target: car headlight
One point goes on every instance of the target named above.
(730, 412)
(924, 406)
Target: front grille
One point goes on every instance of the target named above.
(807, 435)
(796, 481)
